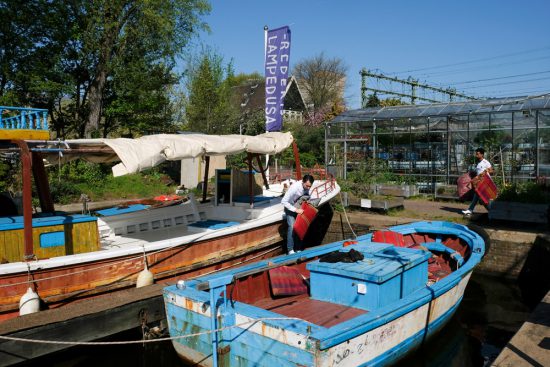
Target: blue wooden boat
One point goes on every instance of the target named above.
(307, 310)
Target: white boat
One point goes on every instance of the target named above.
(64, 258)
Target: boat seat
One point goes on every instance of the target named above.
(213, 224)
(123, 209)
(286, 281)
(390, 237)
(246, 199)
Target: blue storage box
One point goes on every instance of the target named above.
(385, 275)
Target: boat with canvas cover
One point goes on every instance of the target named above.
(52, 258)
(366, 302)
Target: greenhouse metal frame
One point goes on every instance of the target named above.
(435, 143)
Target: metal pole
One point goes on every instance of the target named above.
(537, 170)
(27, 198)
(449, 142)
(205, 182)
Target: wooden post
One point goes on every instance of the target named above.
(205, 182)
(41, 180)
(27, 197)
(297, 160)
(250, 177)
(262, 170)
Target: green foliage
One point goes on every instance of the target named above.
(126, 187)
(311, 140)
(99, 67)
(71, 180)
(526, 192)
(491, 140)
(64, 192)
(391, 102)
(373, 101)
(308, 159)
(79, 171)
(372, 171)
(209, 108)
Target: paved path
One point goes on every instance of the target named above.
(531, 344)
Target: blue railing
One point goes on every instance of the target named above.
(26, 118)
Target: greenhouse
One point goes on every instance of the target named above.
(434, 144)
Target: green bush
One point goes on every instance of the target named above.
(525, 192)
(64, 192)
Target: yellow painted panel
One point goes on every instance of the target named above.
(79, 238)
(23, 134)
(45, 252)
(11, 245)
(85, 237)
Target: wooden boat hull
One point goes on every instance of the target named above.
(253, 336)
(64, 284)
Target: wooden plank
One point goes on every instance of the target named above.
(522, 212)
(321, 313)
(24, 134)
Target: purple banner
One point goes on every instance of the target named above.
(277, 57)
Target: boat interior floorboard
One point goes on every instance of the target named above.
(320, 313)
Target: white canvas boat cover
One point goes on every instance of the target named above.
(148, 151)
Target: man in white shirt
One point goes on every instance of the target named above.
(293, 194)
(483, 165)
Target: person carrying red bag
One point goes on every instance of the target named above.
(483, 168)
(293, 194)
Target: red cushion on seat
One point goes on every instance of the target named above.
(304, 220)
(286, 281)
(394, 238)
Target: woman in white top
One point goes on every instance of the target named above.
(483, 165)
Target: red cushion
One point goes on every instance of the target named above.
(394, 238)
(286, 281)
(304, 220)
(485, 188)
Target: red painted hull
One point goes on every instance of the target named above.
(59, 286)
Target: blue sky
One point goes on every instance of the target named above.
(474, 40)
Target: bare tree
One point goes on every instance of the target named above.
(322, 80)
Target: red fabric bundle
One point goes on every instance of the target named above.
(393, 238)
(485, 188)
(304, 220)
(286, 281)
(464, 187)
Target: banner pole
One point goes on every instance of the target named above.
(266, 28)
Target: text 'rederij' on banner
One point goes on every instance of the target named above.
(277, 58)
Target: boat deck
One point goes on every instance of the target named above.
(320, 313)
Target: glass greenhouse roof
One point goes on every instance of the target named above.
(509, 104)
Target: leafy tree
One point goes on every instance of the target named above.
(373, 101)
(323, 81)
(209, 108)
(391, 102)
(81, 59)
(32, 35)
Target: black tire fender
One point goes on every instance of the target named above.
(483, 234)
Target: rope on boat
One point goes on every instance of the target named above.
(346, 215)
(126, 342)
(132, 258)
(108, 264)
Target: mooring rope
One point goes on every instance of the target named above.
(126, 342)
(133, 258)
(346, 215)
(115, 262)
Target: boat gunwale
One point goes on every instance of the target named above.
(106, 255)
(331, 336)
